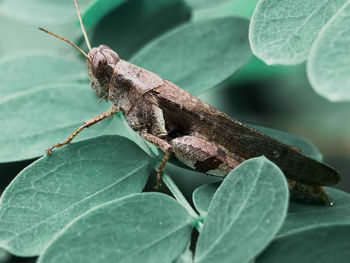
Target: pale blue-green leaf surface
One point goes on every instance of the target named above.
(245, 213)
(282, 32)
(148, 227)
(23, 72)
(55, 189)
(323, 244)
(41, 11)
(329, 60)
(198, 55)
(203, 195)
(35, 119)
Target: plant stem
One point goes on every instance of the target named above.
(178, 195)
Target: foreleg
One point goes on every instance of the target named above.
(86, 124)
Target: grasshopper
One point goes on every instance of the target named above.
(199, 135)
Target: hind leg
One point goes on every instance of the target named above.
(204, 156)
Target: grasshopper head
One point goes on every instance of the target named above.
(101, 62)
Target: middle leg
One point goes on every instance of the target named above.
(165, 147)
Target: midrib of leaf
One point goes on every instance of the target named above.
(235, 217)
(156, 241)
(77, 203)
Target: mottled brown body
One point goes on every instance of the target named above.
(201, 136)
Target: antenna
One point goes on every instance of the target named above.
(82, 25)
(66, 40)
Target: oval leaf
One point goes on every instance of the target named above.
(34, 120)
(303, 144)
(41, 11)
(318, 244)
(203, 195)
(329, 62)
(54, 190)
(301, 215)
(149, 227)
(199, 55)
(24, 72)
(282, 32)
(245, 214)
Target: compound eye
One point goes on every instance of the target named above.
(99, 64)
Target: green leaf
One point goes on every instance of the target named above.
(303, 144)
(149, 227)
(203, 195)
(34, 120)
(245, 214)
(97, 10)
(41, 11)
(317, 244)
(301, 215)
(24, 72)
(329, 62)
(205, 4)
(198, 55)
(51, 192)
(136, 22)
(282, 32)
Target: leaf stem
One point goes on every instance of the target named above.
(178, 195)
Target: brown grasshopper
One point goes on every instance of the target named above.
(200, 136)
